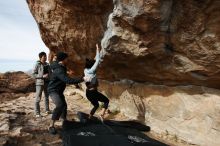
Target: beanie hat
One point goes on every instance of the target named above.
(61, 56)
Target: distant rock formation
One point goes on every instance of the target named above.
(14, 84)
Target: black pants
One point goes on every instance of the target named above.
(94, 97)
(61, 107)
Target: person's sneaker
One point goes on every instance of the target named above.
(37, 115)
(52, 130)
(48, 112)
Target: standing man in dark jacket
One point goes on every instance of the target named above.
(41, 74)
(56, 87)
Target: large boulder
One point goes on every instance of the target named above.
(164, 41)
(161, 41)
(72, 26)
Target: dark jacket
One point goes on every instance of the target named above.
(53, 65)
(59, 79)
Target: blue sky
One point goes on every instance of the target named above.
(19, 35)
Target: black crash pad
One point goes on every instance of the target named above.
(93, 132)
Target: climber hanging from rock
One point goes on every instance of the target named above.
(92, 93)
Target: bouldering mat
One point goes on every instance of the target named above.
(93, 132)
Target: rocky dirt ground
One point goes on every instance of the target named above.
(19, 127)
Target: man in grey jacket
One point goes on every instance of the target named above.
(41, 74)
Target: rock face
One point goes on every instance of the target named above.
(164, 41)
(14, 84)
(189, 113)
(155, 44)
(72, 26)
(161, 41)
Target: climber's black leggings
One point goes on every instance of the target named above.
(94, 97)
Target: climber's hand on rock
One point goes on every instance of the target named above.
(97, 48)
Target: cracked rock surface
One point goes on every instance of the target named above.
(159, 41)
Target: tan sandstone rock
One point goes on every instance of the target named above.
(161, 41)
(190, 113)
